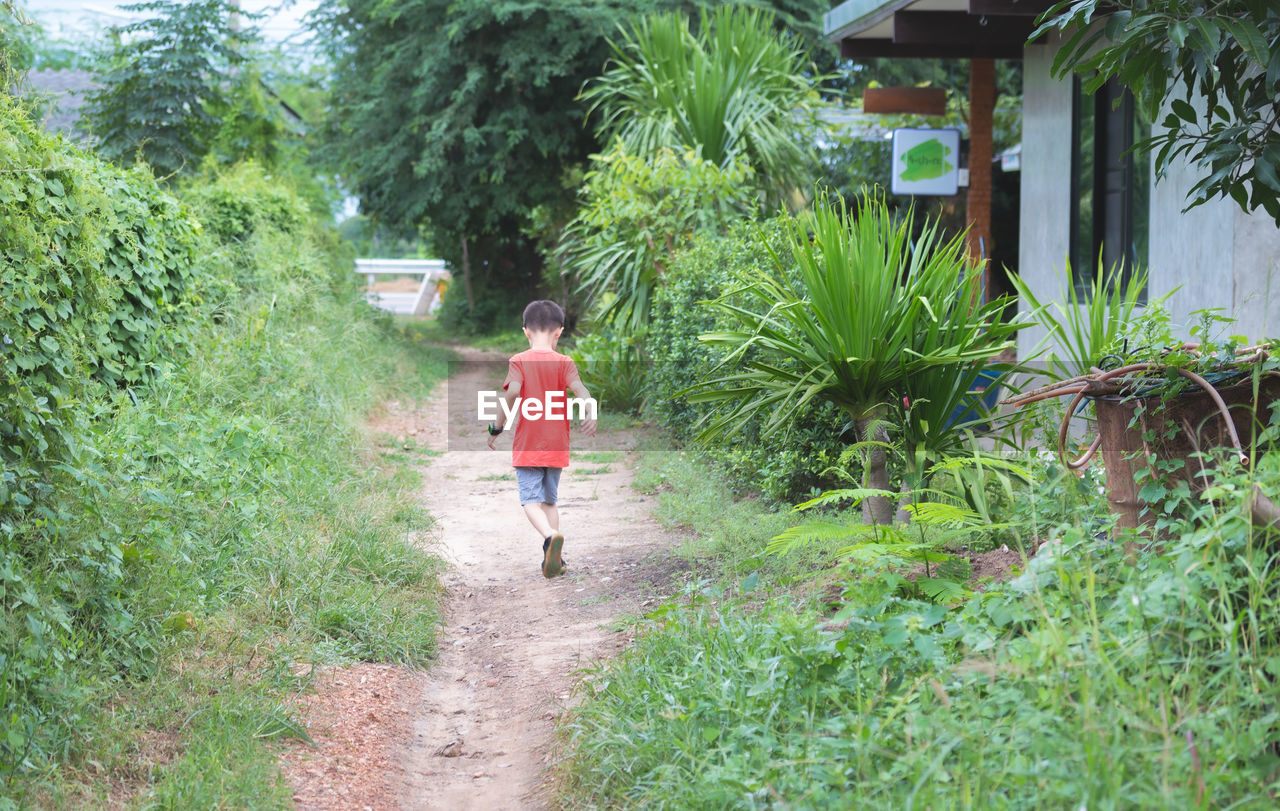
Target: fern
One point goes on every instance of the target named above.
(815, 532)
(938, 514)
(942, 590)
(854, 495)
(980, 461)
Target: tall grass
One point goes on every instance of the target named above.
(1090, 680)
(257, 532)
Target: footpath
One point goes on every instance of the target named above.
(477, 730)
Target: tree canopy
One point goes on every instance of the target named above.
(168, 82)
(1216, 64)
(462, 117)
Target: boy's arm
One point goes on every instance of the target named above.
(579, 390)
(509, 396)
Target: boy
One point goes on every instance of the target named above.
(541, 447)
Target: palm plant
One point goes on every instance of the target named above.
(871, 315)
(733, 90)
(1080, 330)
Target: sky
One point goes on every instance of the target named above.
(75, 19)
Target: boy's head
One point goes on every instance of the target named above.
(543, 316)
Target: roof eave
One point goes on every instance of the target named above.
(855, 16)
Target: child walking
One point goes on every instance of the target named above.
(541, 446)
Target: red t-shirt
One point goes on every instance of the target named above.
(541, 441)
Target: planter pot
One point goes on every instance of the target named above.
(1199, 427)
(985, 394)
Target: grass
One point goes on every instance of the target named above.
(264, 534)
(1088, 681)
(728, 533)
(599, 457)
(428, 330)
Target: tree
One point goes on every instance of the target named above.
(463, 118)
(460, 117)
(168, 83)
(733, 89)
(874, 314)
(1217, 63)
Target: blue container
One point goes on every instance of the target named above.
(984, 392)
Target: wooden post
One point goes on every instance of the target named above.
(982, 103)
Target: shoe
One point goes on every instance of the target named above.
(552, 564)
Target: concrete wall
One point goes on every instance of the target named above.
(1255, 264)
(1191, 251)
(1045, 208)
(1215, 254)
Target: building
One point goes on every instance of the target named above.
(62, 93)
(1081, 195)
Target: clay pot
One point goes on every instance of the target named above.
(1199, 427)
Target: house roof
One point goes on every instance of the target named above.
(995, 29)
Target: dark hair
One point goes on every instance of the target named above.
(543, 316)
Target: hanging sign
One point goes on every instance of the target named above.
(925, 161)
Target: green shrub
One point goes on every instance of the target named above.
(613, 369)
(245, 198)
(94, 265)
(781, 467)
(183, 468)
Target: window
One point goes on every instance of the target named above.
(1109, 185)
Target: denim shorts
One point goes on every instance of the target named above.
(538, 484)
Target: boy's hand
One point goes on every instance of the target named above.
(492, 442)
(589, 427)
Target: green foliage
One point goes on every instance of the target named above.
(167, 84)
(1085, 325)
(96, 265)
(734, 90)
(461, 119)
(1222, 58)
(638, 212)
(872, 318)
(785, 465)
(938, 520)
(1090, 676)
(870, 311)
(613, 369)
(176, 532)
(245, 199)
(496, 312)
(19, 35)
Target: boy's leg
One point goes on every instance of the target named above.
(538, 517)
(529, 480)
(553, 515)
(552, 562)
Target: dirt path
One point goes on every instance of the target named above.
(477, 729)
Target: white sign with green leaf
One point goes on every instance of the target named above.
(925, 161)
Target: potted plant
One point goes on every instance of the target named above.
(1160, 404)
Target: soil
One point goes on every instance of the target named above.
(478, 729)
(995, 566)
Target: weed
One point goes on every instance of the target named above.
(224, 521)
(1089, 677)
